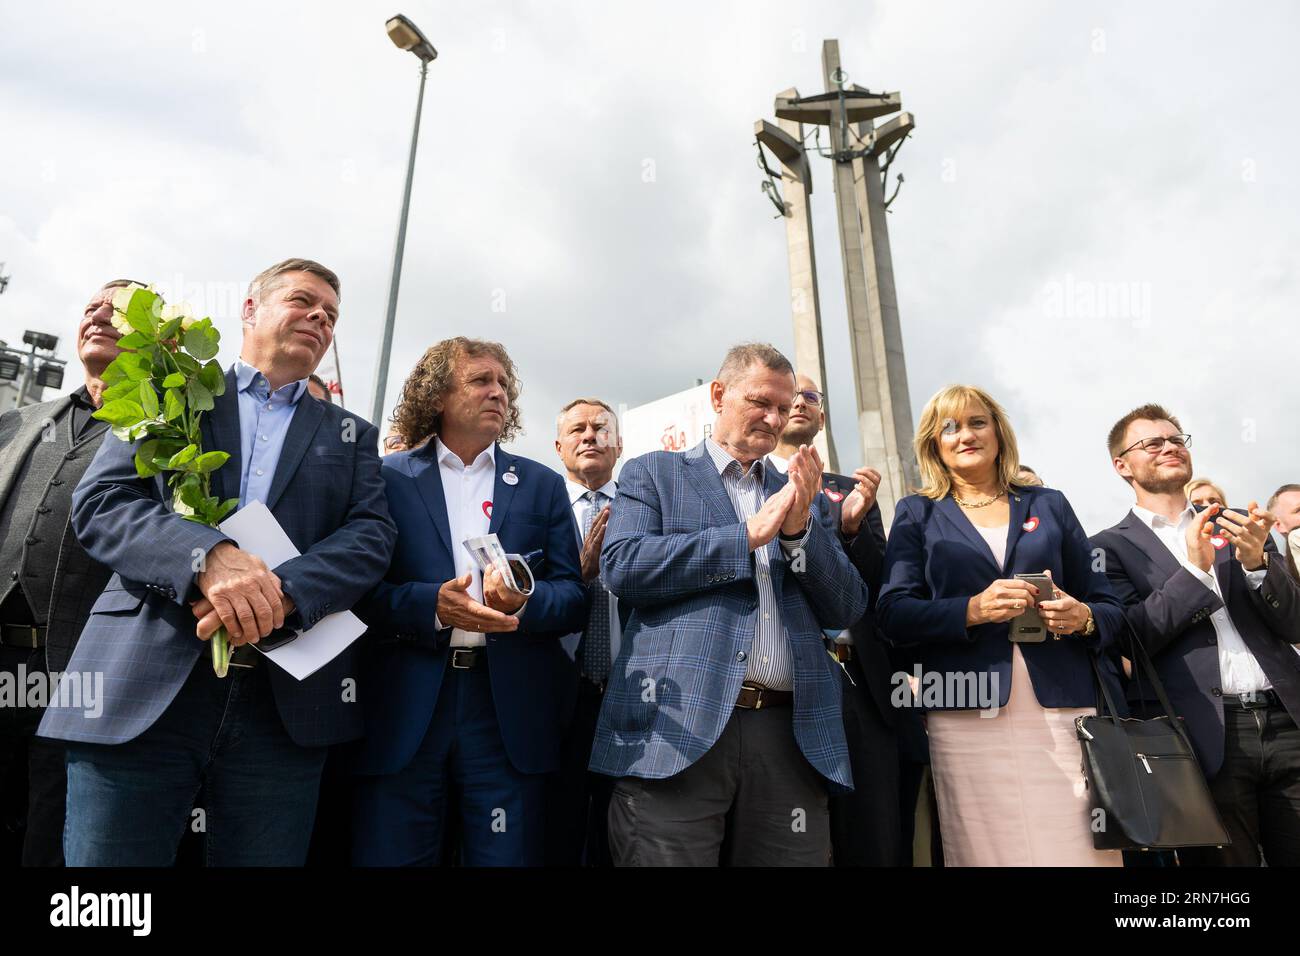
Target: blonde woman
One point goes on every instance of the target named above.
(1000, 715)
(1202, 492)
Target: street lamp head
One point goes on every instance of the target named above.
(41, 340)
(407, 36)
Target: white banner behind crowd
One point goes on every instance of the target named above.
(674, 423)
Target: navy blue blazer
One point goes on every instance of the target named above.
(936, 561)
(327, 495)
(1169, 610)
(532, 678)
(677, 554)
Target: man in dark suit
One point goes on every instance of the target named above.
(589, 445)
(865, 824)
(467, 690)
(1214, 605)
(47, 581)
(255, 740)
(722, 715)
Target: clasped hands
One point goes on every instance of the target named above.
(1006, 598)
(786, 512)
(241, 594)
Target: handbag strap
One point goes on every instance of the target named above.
(1141, 660)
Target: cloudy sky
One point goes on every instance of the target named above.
(1100, 207)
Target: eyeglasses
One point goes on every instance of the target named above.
(1153, 446)
(811, 397)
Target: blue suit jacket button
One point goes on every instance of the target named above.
(740, 656)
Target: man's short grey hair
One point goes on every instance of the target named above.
(559, 419)
(1285, 489)
(741, 357)
(266, 280)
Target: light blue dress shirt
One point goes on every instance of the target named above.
(264, 419)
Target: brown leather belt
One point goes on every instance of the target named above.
(30, 636)
(753, 697)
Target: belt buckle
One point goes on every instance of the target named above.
(758, 700)
(456, 657)
(36, 638)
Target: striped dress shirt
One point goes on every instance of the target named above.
(769, 657)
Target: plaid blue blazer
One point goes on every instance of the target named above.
(328, 496)
(677, 554)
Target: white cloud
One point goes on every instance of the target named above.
(192, 145)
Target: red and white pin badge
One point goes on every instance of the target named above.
(487, 509)
(1219, 542)
(833, 495)
(1031, 524)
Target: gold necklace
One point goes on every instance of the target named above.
(977, 504)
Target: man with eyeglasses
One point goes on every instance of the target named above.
(1210, 599)
(866, 827)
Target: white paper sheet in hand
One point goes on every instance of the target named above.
(257, 532)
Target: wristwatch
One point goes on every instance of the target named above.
(1090, 628)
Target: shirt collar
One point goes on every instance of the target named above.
(486, 458)
(81, 397)
(576, 491)
(722, 459)
(250, 379)
(1155, 522)
(780, 464)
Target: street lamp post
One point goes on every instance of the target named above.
(406, 36)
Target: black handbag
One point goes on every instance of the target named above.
(1145, 785)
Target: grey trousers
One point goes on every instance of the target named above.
(751, 800)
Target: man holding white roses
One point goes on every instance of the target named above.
(254, 741)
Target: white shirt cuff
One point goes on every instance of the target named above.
(1255, 578)
(1203, 576)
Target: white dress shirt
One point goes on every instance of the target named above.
(580, 507)
(468, 491)
(1239, 672)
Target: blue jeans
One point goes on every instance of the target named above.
(129, 804)
(461, 767)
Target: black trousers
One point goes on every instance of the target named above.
(577, 800)
(33, 778)
(753, 799)
(866, 829)
(1257, 790)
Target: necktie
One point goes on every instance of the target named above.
(594, 651)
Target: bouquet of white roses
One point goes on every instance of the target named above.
(157, 389)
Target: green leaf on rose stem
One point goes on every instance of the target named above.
(146, 462)
(186, 363)
(143, 311)
(133, 340)
(183, 457)
(135, 365)
(227, 506)
(200, 399)
(123, 412)
(191, 493)
(201, 342)
(149, 399)
(213, 379)
(174, 380)
(173, 404)
(119, 389)
(169, 330)
(210, 461)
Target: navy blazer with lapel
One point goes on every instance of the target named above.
(1169, 611)
(867, 552)
(936, 561)
(327, 495)
(677, 555)
(532, 678)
